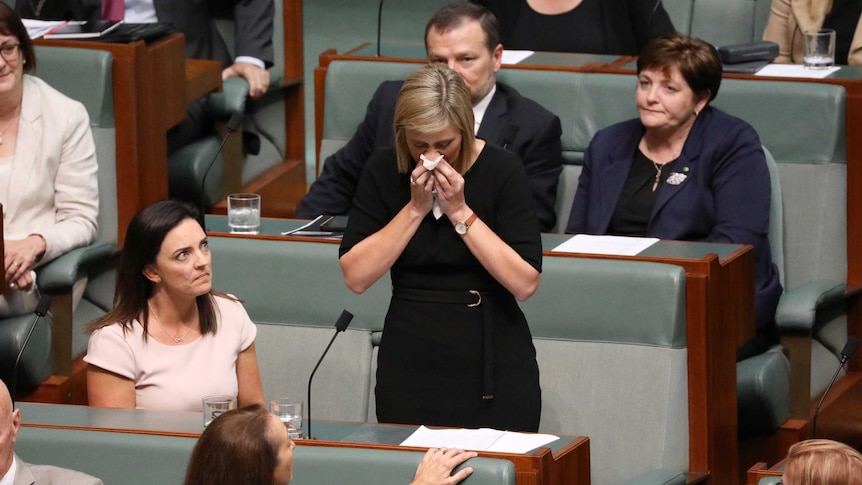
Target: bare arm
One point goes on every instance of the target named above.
(248, 378)
(106, 389)
(437, 465)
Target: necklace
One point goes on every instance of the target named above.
(658, 168)
(8, 125)
(177, 340)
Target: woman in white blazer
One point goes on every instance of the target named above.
(48, 180)
(788, 19)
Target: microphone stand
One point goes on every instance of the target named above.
(340, 326)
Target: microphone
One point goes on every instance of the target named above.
(379, 24)
(40, 311)
(232, 126)
(847, 353)
(340, 326)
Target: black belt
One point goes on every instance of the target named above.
(470, 298)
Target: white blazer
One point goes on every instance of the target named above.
(53, 187)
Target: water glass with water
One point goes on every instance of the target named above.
(289, 411)
(243, 213)
(818, 48)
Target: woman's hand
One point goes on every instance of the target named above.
(450, 192)
(437, 465)
(421, 188)
(20, 257)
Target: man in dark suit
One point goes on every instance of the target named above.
(463, 36)
(15, 471)
(253, 49)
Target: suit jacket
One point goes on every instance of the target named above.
(724, 197)
(628, 24)
(53, 187)
(789, 18)
(28, 474)
(194, 18)
(511, 121)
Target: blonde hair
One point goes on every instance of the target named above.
(823, 462)
(431, 100)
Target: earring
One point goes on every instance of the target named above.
(696, 113)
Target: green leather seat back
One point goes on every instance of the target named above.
(317, 465)
(116, 458)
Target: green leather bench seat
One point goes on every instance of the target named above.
(116, 458)
(147, 459)
(594, 355)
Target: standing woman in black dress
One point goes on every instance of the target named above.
(461, 241)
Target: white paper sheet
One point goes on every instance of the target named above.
(483, 439)
(614, 245)
(794, 70)
(514, 56)
(38, 28)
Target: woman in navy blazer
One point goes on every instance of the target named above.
(683, 170)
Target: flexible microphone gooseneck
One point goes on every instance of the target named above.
(340, 326)
(40, 311)
(379, 24)
(232, 126)
(847, 353)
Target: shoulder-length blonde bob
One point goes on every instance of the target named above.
(432, 99)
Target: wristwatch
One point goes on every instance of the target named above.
(461, 227)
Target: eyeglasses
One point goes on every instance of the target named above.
(10, 52)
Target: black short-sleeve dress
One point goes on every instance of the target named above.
(456, 349)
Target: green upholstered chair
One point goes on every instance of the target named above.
(84, 75)
(720, 22)
(769, 481)
(265, 117)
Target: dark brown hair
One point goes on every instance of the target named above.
(10, 24)
(144, 237)
(237, 447)
(455, 14)
(697, 61)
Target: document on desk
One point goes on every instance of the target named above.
(483, 439)
(795, 70)
(613, 245)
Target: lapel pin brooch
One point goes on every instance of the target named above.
(676, 178)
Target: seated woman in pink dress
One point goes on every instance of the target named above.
(170, 339)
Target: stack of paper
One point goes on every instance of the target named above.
(482, 439)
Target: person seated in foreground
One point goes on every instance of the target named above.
(683, 170)
(250, 446)
(822, 462)
(170, 339)
(463, 36)
(619, 27)
(13, 470)
(48, 170)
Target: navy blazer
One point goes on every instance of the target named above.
(724, 197)
(511, 121)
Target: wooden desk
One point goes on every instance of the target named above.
(565, 461)
(153, 82)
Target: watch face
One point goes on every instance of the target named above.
(461, 228)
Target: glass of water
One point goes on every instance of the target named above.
(818, 48)
(289, 411)
(243, 213)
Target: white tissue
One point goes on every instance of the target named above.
(430, 164)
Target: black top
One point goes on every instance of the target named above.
(572, 31)
(617, 27)
(843, 19)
